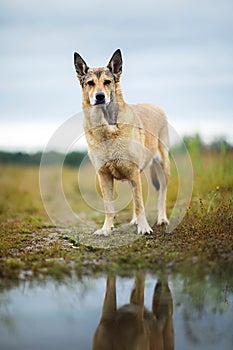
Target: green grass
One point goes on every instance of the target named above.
(30, 242)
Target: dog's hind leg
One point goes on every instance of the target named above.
(106, 185)
(162, 217)
(139, 217)
(160, 173)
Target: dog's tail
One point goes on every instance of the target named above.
(154, 169)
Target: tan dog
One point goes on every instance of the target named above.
(122, 140)
(132, 326)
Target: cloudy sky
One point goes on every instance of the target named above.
(177, 54)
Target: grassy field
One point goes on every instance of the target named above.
(31, 245)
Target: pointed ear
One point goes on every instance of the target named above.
(115, 64)
(80, 66)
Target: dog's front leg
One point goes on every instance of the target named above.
(106, 185)
(110, 304)
(104, 334)
(137, 295)
(139, 216)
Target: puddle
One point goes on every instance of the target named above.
(66, 315)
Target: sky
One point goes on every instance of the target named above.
(176, 54)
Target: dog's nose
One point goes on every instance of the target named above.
(100, 97)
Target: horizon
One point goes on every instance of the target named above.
(41, 142)
(212, 144)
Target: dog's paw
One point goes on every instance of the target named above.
(144, 228)
(142, 225)
(162, 221)
(102, 232)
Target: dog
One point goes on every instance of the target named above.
(122, 140)
(132, 326)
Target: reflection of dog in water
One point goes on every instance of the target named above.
(133, 327)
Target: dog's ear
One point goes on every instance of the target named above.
(115, 64)
(80, 66)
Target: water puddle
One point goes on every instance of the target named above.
(187, 312)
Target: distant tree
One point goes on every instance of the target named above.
(74, 159)
(221, 144)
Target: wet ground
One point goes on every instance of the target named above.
(47, 314)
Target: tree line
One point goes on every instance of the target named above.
(72, 159)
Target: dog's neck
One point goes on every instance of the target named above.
(102, 115)
(110, 112)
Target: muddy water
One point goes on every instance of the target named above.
(65, 315)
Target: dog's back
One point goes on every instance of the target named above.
(154, 124)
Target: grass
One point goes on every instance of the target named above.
(30, 245)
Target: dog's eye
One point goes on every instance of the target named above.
(107, 82)
(91, 83)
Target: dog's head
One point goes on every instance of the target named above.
(99, 84)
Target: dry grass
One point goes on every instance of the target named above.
(30, 242)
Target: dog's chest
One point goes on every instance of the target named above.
(114, 156)
(118, 150)
(119, 168)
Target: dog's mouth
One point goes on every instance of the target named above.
(97, 103)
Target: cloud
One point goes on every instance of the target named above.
(177, 54)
